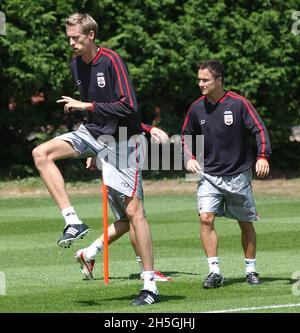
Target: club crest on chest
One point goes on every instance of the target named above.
(228, 118)
(100, 80)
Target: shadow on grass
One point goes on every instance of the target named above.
(129, 298)
(89, 303)
(172, 274)
(110, 278)
(227, 281)
(166, 273)
(163, 298)
(264, 280)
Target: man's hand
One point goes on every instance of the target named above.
(262, 168)
(193, 166)
(158, 135)
(73, 105)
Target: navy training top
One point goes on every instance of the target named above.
(105, 83)
(226, 126)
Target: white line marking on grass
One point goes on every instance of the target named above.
(256, 308)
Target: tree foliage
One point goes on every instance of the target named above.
(162, 43)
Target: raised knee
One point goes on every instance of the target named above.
(39, 156)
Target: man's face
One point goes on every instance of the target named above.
(207, 82)
(79, 42)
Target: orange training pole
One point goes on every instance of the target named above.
(105, 235)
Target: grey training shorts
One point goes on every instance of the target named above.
(121, 175)
(117, 205)
(229, 196)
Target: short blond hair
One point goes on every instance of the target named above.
(86, 22)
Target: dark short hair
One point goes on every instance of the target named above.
(215, 67)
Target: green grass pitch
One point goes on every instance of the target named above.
(41, 277)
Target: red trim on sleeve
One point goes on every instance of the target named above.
(263, 140)
(147, 128)
(123, 72)
(183, 127)
(185, 147)
(117, 70)
(92, 107)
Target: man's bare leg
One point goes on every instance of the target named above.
(135, 213)
(248, 240)
(114, 232)
(210, 244)
(44, 157)
(208, 234)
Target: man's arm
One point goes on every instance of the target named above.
(122, 88)
(188, 144)
(72, 104)
(257, 127)
(157, 134)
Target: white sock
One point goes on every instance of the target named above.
(70, 216)
(92, 250)
(149, 283)
(250, 265)
(139, 260)
(213, 264)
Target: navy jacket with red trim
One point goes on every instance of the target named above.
(105, 83)
(226, 127)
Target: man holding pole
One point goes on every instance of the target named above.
(108, 96)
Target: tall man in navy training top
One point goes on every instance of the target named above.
(108, 96)
(226, 120)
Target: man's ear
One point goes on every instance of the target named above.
(92, 34)
(220, 80)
